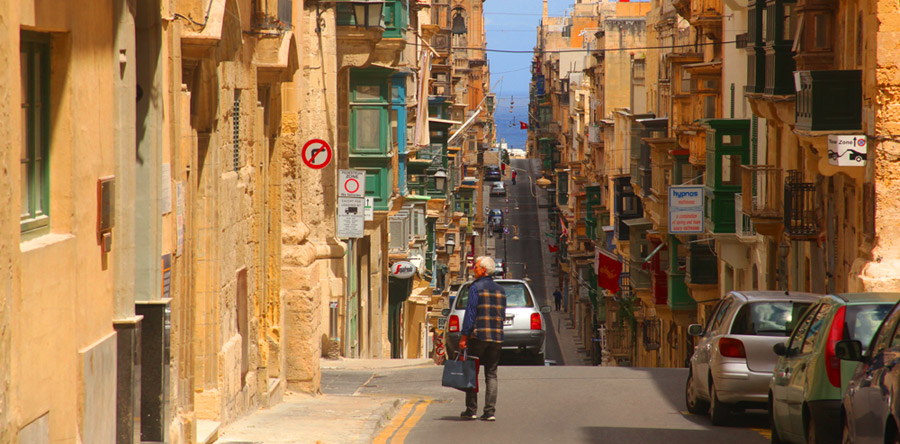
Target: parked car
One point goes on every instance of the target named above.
(498, 189)
(733, 361)
(523, 328)
(491, 172)
(499, 269)
(495, 220)
(870, 407)
(805, 390)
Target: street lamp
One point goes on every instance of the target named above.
(368, 13)
(450, 244)
(543, 182)
(440, 179)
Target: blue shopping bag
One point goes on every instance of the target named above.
(461, 373)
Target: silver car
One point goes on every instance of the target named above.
(524, 328)
(733, 361)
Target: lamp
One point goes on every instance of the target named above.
(368, 13)
(543, 182)
(440, 179)
(450, 244)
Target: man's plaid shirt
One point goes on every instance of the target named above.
(485, 310)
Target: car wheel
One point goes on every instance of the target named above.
(718, 412)
(810, 430)
(694, 404)
(776, 439)
(538, 359)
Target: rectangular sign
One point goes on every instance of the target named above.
(351, 222)
(370, 208)
(686, 209)
(351, 183)
(847, 150)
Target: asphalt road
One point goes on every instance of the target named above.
(573, 404)
(523, 257)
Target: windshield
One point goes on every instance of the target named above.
(516, 295)
(768, 318)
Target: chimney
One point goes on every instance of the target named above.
(544, 19)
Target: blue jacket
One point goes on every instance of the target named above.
(485, 310)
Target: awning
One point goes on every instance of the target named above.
(465, 127)
(638, 222)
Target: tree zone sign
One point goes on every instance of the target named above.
(686, 209)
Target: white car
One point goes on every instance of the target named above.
(498, 189)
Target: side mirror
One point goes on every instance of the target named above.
(848, 350)
(780, 349)
(695, 329)
(445, 312)
(545, 309)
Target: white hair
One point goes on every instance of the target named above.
(487, 263)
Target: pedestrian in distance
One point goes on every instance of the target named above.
(482, 334)
(514, 176)
(557, 298)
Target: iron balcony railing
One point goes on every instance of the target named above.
(743, 224)
(761, 190)
(800, 220)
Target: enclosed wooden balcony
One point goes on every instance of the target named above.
(829, 100)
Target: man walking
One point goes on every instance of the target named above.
(557, 298)
(514, 176)
(482, 334)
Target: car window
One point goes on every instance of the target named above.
(767, 318)
(712, 316)
(516, 295)
(721, 313)
(802, 329)
(861, 322)
(816, 329)
(885, 332)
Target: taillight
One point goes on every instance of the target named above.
(732, 348)
(535, 321)
(832, 362)
(454, 323)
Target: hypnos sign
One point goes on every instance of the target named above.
(686, 209)
(403, 270)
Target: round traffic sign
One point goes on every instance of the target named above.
(316, 154)
(351, 185)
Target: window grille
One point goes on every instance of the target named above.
(236, 128)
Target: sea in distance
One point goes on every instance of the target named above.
(508, 112)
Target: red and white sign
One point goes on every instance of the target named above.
(316, 154)
(352, 183)
(403, 270)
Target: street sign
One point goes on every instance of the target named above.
(370, 208)
(686, 209)
(351, 183)
(316, 154)
(847, 150)
(351, 221)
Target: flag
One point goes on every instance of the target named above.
(523, 125)
(608, 269)
(553, 249)
(562, 227)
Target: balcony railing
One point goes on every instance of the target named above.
(761, 189)
(618, 341)
(800, 219)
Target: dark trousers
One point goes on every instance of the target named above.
(558, 303)
(489, 357)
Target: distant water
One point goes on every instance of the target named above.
(508, 122)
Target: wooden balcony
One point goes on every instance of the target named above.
(762, 188)
(829, 100)
(743, 224)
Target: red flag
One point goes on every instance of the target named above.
(553, 249)
(523, 125)
(562, 226)
(608, 270)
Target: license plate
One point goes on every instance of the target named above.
(508, 320)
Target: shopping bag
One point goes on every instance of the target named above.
(461, 373)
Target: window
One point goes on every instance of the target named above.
(822, 31)
(859, 38)
(885, 333)
(34, 170)
(709, 107)
(368, 128)
(720, 315)
(731, 169)
(802, 329)
(816, 329)
(767, 318)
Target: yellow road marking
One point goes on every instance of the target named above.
(395, 423)
(411, 422)
(766, 433)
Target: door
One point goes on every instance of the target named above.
(797, 368)
(781, 375)
(865, 392)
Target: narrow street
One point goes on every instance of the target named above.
(548, 404)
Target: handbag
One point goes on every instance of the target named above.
(461, 374)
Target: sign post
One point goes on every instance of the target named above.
(686, 209)
(351, 212)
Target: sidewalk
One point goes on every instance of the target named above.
(315, 419)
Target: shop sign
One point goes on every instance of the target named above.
(403, 270)
(686, 209)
